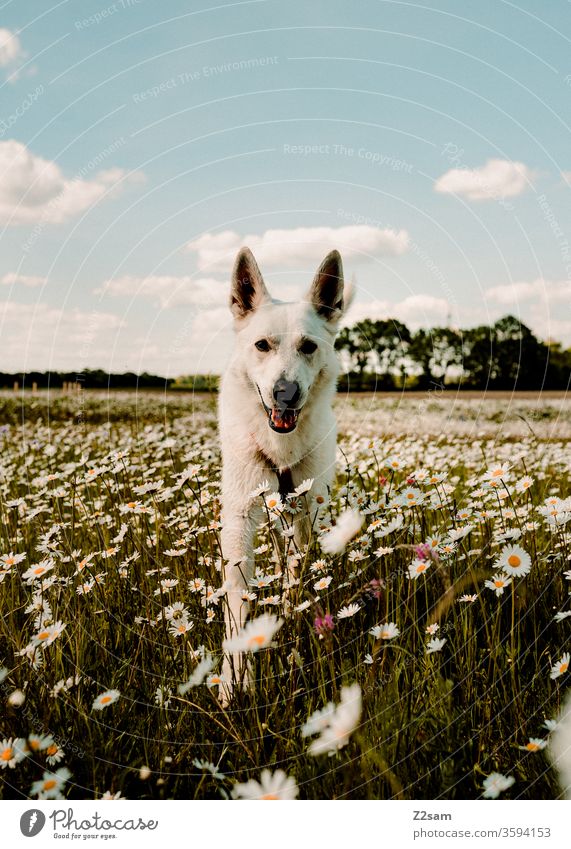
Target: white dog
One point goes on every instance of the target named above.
(275, 414)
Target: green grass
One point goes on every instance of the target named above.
(432, 726)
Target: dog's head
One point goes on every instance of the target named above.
(285, 349)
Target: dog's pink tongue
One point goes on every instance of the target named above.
(282, 420)
(277, 418)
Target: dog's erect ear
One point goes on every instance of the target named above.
(248, 287)
(326, 293)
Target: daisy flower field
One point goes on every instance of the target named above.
(417, 648)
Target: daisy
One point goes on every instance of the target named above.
(16, 698)
(54, 754)
(348, 611)
(388, 631)
(322, 583)
(434, 645)
(304, 486)
(12, 752)
(46, 636)
(271, 600)
(417, 568)
(34, 573)
(513, 560)
(274, 501)
(534, 744)
(467, 598)
(51, 785)
(432, 629)
(455, 534)
(113, 797)
(105, 699)
(498, 583)
(259, 490)
(37, 742)
(336, 723)
(561, 667)
(207, 766)
(499, 471)
(11, 559)
(496, 783)
(523, 484)
(348, 526)
(215, 680)
(177, 610)
(272, 786)
(180, 627)
(255, 635)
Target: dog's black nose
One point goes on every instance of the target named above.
(286, 393)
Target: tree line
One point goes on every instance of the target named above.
(86, 379)
(385, 354)
(381, 355)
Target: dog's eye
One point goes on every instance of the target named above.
(307, 347)
(263, 345)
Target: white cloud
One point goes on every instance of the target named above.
(28, 280)
(167, 290)
(549, 291)
(34, 190)
(297, 246)
(44, 337)
(566, 175)
(498, 178)
(542, 304)
(10, 47)
(414, 310)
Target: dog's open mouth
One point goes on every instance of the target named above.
(282, 421)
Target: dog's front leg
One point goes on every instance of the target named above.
(238, 531)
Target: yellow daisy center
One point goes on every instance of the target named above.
(514, 561)
(531, 747)
(564, 667)
(50, 784)
(258, 640)
(6, 755)
(271, 796)
(105, 700)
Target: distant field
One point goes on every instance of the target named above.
(110, 587)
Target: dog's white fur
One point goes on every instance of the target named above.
(251, 450)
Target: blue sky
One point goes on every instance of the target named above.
(141, 143)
